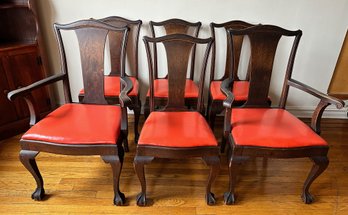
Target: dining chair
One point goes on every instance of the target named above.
(257, 130)
(112, 80)
(240, 85)
(168, 27)
(176, 131)
(91, 127)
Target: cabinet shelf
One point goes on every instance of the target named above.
(16, 45)
(13, 5)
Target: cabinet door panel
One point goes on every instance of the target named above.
(26, 69)
(7, 109)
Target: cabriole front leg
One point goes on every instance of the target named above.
(139, 163)
(116, 165)
(319, 166)
(27, 158)
(234, 163)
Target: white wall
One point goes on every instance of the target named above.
(324, 24)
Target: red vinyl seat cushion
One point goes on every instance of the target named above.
(276, 128)
(176, 129)
(240, 90)
(161, 89)
(78, 124)
(112, 86)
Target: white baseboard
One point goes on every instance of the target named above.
(330, 112)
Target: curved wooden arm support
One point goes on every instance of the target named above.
(325, 100)
(25, 93)
(324, 97)
(26, 90)
(33, 109)
(128, 86)
(226, 87)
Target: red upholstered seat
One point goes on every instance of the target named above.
(161, 88)
(78, 124)
(176, 129)
(112, 86)
(240, 90)
(275, 128)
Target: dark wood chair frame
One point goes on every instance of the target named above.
(264, 41)
(177, 48)
(173, 26)
(131, 55)
(92, 52)
(215, 106)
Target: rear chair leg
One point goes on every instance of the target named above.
(214, 163)
(319, 166)
(27, 158)
(136, 123)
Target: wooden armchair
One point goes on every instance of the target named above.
(256, 130)
(111, 82)
(175, 131)
(168, 27)
(91, 127)
(240, 86)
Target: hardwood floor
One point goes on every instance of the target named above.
(83, 185)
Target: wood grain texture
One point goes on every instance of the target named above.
(83, 185)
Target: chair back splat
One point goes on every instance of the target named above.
(263, 43)
(132, 44)
(174, 26)
(178, 51)
(237, 47)
(91, 37)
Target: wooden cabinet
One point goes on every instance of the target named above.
(20, 63)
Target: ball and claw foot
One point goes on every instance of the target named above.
(307, 198)
(229, 198)
(38, 194)
(141, 199)
(119, 199)
(210, 198)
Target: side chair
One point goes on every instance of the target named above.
(168, 27)
(257, 130)
(112, 80)
(240, 86)
(176, 131)
(91, 127)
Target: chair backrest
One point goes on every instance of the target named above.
(237, 47)
(264, 41)
(115, 39)
(91, 37)
(178, 49)
(175, 26)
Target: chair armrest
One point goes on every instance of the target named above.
(25, 93)
(26, 90)
(325, 100)
(225, 88)
(128, 86)
(322, 96)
